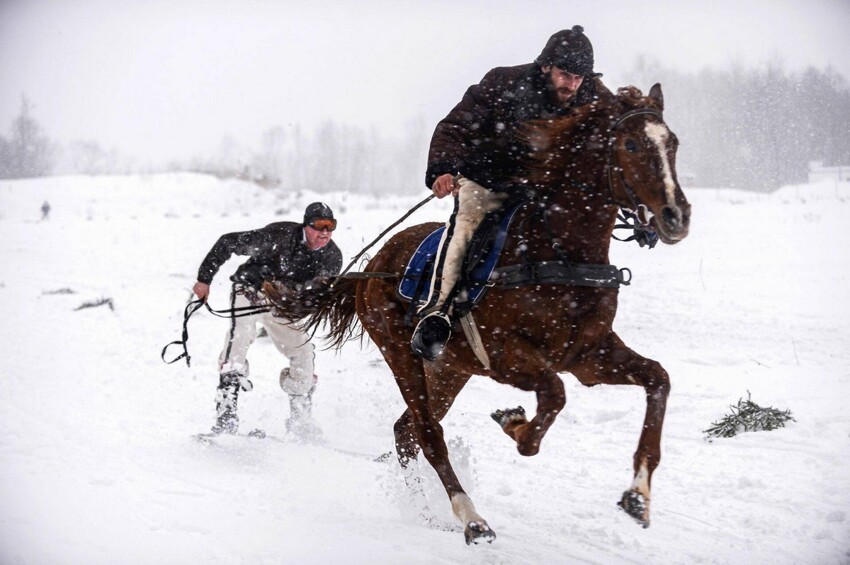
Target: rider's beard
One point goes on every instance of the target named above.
(564, 96)
(560, 96)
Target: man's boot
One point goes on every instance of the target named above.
(226, 398)
(431, 335)
(300, 422)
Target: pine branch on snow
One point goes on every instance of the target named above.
(748, 416)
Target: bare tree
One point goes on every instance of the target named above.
(27, 152)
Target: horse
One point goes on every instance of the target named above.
(611, 155)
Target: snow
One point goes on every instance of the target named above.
(97, 463)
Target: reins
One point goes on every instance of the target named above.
(194, 306)
(376, 240)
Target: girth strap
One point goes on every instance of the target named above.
(556, 272)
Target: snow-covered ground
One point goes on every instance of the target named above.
(97, 463)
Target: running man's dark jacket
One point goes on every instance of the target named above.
(278, 252)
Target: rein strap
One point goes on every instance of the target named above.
(193, 307)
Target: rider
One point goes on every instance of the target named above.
(475, 155)
(299, 257)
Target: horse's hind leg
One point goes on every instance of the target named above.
(614, 363)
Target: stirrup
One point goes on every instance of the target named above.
(431, 335)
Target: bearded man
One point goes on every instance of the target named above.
(476, 155)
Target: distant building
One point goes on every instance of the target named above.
(817, 172)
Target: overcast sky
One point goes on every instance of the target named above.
(168, 79)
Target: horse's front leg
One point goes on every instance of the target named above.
(614, 363)
(551, 399)
(422, 417)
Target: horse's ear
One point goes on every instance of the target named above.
(655, 94)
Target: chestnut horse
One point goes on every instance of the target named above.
(617, 153)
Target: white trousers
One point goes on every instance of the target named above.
(474, 201)
(292, 343)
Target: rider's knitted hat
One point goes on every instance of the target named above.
(569, 50)
(317, 210)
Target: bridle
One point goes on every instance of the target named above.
(636, 205)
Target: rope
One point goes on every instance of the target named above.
(383, 233)
(193, 307)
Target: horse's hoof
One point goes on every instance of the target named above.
(637, 506)
(476, 532)
(509, 415)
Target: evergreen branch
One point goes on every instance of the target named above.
(747, 416)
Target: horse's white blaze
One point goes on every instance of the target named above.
(464, 509)
(659, 133)
(641, 480)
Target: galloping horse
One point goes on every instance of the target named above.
(614, 154)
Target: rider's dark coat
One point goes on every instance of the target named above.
(278, 252)
(478, 138)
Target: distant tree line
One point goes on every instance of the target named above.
(333, 157)
(753, 128)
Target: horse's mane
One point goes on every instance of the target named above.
(557, 143)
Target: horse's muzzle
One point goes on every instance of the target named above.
(673, 223)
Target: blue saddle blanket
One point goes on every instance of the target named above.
(421, 264)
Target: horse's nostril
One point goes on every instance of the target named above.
(670, 217)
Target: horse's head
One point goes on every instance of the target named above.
(641, 164)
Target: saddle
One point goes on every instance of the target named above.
(481, 260)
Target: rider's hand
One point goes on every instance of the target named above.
(201, 290)
(445, 185)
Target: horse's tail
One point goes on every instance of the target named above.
(337, 310)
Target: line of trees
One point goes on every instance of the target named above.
(333, 157)
(742, 128)
(753, 128)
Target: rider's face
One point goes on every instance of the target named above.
(562, 85)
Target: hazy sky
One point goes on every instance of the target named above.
(168, 79)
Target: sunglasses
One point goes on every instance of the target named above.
(323, 224)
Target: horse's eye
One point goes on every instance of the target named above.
(631, 146)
